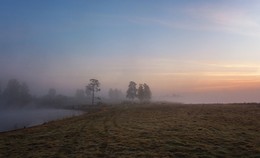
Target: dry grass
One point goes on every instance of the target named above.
(144, 131)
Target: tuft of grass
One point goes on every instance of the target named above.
(154, 130)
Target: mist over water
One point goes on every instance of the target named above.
(11, 119)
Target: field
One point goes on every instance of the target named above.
(158, 130)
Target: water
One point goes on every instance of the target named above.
(16, 119)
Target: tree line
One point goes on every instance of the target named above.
(143, 92)
(15, 93)
(18, 94)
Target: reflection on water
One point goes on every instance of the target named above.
(15, 119)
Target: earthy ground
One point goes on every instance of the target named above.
(162, 130)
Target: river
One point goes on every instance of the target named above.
(16, 119)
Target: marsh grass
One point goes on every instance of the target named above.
(144, 131)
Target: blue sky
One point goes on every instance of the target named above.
(189, 48)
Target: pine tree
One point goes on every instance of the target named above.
(92, 88)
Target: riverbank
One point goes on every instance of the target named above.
(16, 118)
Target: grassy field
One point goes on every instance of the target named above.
(162, 130)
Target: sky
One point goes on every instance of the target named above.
(186, 51)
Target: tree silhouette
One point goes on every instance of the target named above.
(131, 91)
(11, 93)
(16, 93)
(140, 93)
(92, 88)
(25, 96)
(147, 93)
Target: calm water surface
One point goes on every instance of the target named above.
(20, 118)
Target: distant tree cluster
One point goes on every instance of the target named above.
(115, 95)
(80, 94)
(143, 93)
(81, 97)
(15, 93)
(52, 99)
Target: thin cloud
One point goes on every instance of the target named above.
(207, 18)
(238, 21)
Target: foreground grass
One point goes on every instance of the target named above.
(144, 131)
